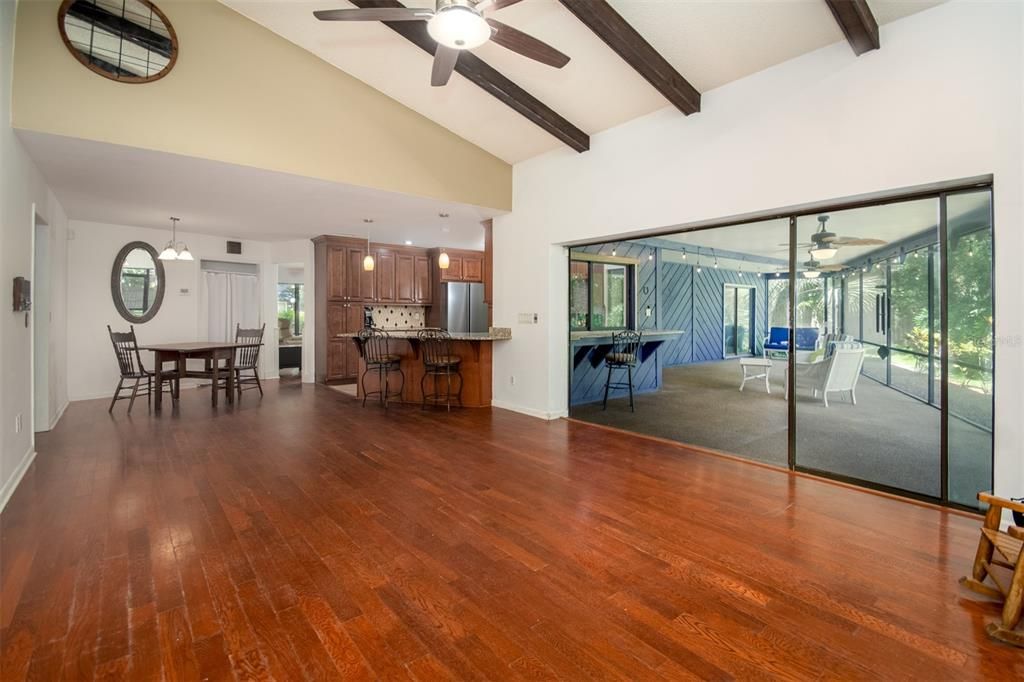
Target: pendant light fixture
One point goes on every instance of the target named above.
(822, 240)
(443, 261)
(368, 263)
(170, 252)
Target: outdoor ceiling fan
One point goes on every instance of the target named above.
(825, 244)
(457, 25)
(813, 268)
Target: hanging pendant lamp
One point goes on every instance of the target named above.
(169, 252)
(368, 263)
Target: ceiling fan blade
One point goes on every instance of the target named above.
(492, 5)
(526, 45)
(857, 241)
(374, 14)
(444, 64)
(831, 268)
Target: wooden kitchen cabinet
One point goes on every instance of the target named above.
(359, 283)
(384, 269)
(405, 278)
(473, 268)
(423, 281)
(463, 265)
(335, 256)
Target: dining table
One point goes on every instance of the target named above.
(179, 353)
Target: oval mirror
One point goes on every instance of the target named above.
(125, 40)
(137, 282)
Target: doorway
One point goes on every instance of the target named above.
(738, 320)
(40, 324)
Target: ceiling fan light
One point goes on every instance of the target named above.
(459, 27)
(169, 253)
(823, 252)
(812, 274)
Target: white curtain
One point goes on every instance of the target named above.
(231, 299)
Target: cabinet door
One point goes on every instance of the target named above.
(360, 282)
(423, 292)
(336, 368)
(472, 269)
(453, 273)
(351, 359)
(337, 319)
(405, 276)
(385, 271)
(336, 273)
(353, 317)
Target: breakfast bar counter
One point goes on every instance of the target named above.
(474, 349)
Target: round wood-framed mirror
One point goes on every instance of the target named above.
(137, 282)
(129, 41)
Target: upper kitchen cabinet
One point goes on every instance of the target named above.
(463, 266)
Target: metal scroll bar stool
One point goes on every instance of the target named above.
(439, 361)
(373, 344)
(623, 355)
(129, 363)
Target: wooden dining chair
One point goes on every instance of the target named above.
(247, 359)
(129, 363)
(1000, 552)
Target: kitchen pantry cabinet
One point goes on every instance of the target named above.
(401, 276)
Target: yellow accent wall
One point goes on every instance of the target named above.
(241, 94)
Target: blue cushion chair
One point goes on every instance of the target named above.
(778, 339)
(806, 338)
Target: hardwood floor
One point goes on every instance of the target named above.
(302, 537)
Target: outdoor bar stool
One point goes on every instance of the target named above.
(623, 355)
(439, 362)
(373, 345)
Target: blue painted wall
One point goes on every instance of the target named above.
(680, 298)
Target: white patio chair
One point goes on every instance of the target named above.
(838, 373)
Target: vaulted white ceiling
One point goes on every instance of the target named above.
(709, 42)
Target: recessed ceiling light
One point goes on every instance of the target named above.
(408, 242)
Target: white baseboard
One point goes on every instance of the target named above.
(60, 413)
(529, 411)
(11, 484)
(185, 385)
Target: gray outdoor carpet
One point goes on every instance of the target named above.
(886, 438)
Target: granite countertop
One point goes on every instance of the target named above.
(495, 334)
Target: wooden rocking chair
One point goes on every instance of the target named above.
(1003, 549)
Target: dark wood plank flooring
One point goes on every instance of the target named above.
(302, 537)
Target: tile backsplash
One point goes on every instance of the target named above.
(399, 316)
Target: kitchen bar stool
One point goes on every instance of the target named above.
(625, 346)
(373, 344)
(439, 361)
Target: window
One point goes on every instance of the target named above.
(138, 288)
(601, 295)
(289, 310)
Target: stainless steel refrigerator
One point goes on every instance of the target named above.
(463, 308)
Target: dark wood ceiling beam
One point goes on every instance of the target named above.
(617, 33)
(857, 23)
(489, 79)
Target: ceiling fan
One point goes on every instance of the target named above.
(457, 25)
(825, 244)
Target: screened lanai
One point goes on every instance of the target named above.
(872, 296)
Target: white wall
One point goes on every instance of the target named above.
(23, 192)
(92, 372)
(941, 100)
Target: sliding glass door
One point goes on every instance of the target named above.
(738, 320)
(970, 333)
